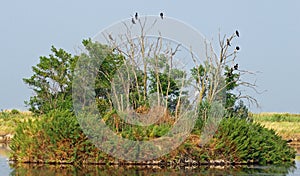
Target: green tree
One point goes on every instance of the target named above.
(51, 82)
(53, 76)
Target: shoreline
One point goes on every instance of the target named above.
(182, 162)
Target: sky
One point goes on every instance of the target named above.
(269, 39)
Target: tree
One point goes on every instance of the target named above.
(53, 76)
(218, 78)
(51, 82)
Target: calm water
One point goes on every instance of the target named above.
(7, 168)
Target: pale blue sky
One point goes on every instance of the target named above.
(269, 38)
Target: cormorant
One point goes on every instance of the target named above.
(132, 20)
(236, 66)
(136, 15)
(161, 15)
(237, 33)
(110, 37)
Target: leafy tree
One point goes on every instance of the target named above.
(51, 82)
(53, 76)
(110, 63)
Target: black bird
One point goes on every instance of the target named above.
(132, 20)
(237, 48)
(237, 33)
(228, 42)
(136, 15)
(161, 15)
(110, 37)
(236, 66)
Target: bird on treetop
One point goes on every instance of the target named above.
(161, 15)
(136, 15)
(237, 48)
(237, 33)
(132, 20)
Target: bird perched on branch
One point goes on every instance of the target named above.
(237, 33)
(161, 15)
(110, 37)
(136, 15)
(132, 20)
(236, 66)
(228, 42)
(237, 48)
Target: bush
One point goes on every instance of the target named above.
(241, 141)
(55, 138)
(14, 111)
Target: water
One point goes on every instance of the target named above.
(4, 166)
(7, 168)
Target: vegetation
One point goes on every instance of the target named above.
(124, 86)
(286, 125)
(58, 138)
(54, 138)
(52, 82)
(9, 120)
(238, 139)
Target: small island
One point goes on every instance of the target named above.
(53, 133)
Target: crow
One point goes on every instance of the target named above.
(132, 20)
(237, 33)
(136, 16)
(161, 15)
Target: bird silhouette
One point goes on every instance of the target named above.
(136, 15)
(132, 20)
(237, 33)
(110, 37)
(237, 48)
(228, 42)
(161, 15)
(236, 66)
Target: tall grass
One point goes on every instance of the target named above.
(9, 120)
(276, 117)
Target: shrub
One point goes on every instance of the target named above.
(14, 111)
(55, 138)
(242, 141)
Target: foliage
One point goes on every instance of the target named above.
(9, 120)
(54, 138)
(238, 140)
(51, 82)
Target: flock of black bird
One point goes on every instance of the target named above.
(235, 67)
(136, 17)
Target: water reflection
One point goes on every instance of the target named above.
(30, 169)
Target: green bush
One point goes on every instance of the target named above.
(242, 141)
(54, 138)
(15, 111)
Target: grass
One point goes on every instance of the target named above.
(9, 120)
(285, 124)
